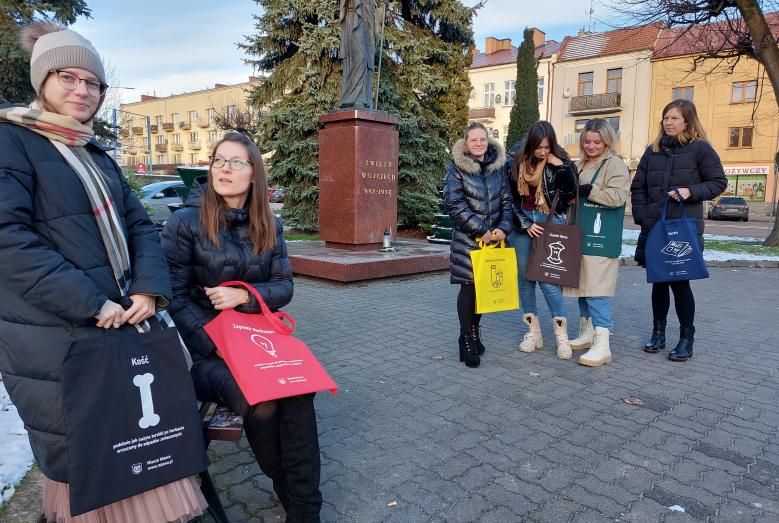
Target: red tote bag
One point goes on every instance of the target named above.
(266, 361)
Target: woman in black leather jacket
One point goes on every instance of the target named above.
(226, 231)
(477, 197)
(540, 168)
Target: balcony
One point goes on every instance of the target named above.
(176, 147)
(194, 145)
(161, 147)
(138, 131)
(203, 123)
(124, 133)
(595, 103)
(143, 150)
(185, 125)
(131, 151)
(153, 129)
(481, 113)
(168, 127)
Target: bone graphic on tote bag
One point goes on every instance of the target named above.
(150, 418)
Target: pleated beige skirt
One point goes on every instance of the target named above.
(179, 501)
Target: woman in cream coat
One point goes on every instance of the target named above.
(598, 280)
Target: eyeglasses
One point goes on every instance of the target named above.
(236, 164)
(70, 82)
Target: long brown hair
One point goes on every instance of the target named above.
(694, 129)
(262, 224)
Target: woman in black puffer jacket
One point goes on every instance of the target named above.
(226, 231)
(477, 197)
(680, 165)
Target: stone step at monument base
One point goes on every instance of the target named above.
(313, 258)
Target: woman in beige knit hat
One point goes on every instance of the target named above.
(74, 243)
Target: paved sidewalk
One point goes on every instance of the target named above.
(415, 436)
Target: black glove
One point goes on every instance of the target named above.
(585, 189)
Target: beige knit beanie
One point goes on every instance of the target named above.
(53, 47)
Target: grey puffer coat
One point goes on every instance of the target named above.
(478, 199)
(55, 276)
(694, 165)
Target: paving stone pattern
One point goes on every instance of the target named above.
(415, 436)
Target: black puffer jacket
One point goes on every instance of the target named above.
(477, 197)
(694, 165)
(55, 276)
(561, 177)
(195, 263)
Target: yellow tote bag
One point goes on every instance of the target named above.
(495, 277)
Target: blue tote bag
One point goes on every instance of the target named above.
(673, 252)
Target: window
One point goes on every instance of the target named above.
(741, 137)
(193, 158)
(579, 125)
(489, 95)
(510, 92)
(540, 89)
(160, 140)
(177, 159)
(144, 159)
(744, 92)
(682, 93)
(192, 137)
(613, 122)
(231, 111)
(211, 114)
(160, 159)
(131, 141)
(176, 138)
(145, 141)
(174, 118)
(585, 84)
(614, 81)
(212, 136)
(192, 116)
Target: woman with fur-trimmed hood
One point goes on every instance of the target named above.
(477, 198)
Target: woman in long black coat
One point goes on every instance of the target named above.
(226, 231)
(682, 166)
(477, 197)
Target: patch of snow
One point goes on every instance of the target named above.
(632, 234)
(676, 508)
(710, 255)
(15, 453)
(756, 504)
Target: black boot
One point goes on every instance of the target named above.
(471, 352)
(264, 439)
(477, 334)
(657, 343)
(461, 342)
(683, 349)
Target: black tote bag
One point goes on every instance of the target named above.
(131, 416)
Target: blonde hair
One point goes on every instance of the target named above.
(602, 127)
(694, 129)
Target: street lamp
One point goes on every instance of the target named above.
(148, 131)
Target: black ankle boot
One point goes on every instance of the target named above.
(657, 343)
(461, 342)
(471, 352)
(477, 334)
(683, 349)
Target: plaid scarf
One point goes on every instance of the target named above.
(533, 177)
(53, 126)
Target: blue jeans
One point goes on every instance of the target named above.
(553, 294)
(599, 309)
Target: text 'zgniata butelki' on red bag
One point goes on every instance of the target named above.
(267, 362)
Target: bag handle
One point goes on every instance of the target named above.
(664, 207)
(277, 318)
(501, 244)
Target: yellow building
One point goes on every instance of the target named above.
(604, 75)
(493, 75)
(736, 107)
(181, 126)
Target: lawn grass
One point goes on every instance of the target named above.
(300, 235)
(734, 246)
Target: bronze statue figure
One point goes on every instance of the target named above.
(357, 53)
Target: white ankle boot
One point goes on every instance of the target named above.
(600, 352)
(532, 339)
(586, 332)
(561, 334)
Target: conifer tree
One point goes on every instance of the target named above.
(423, 82)
(525, 110)
(14, 63)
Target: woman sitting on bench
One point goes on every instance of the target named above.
(226, 231)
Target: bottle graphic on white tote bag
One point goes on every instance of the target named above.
(596, 226)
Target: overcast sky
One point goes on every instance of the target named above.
(174, 46)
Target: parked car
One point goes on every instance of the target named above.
(156, 197)
(730, 207)
(278, 195)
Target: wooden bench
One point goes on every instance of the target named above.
(221, 424)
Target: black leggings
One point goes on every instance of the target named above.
(466, 307)
(684, 302)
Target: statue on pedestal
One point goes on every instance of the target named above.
(357, 52)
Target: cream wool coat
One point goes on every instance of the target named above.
(598, 275)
